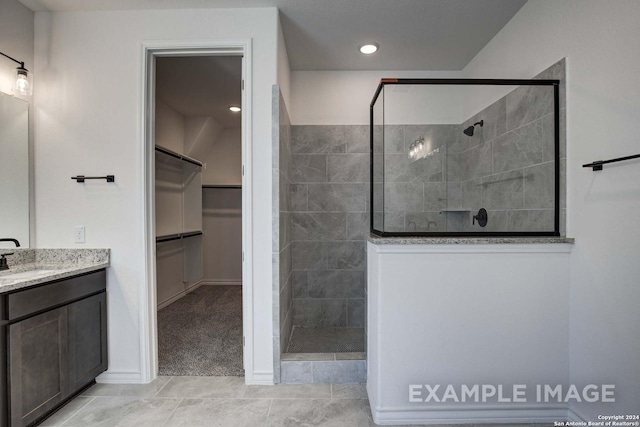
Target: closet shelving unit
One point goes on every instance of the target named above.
(222, 222)
(177, 236)
(179, 209)
(223, 186)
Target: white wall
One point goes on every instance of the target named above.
(470, 315)
(89, 120)
(341, 97)
(600, 40)
(16, 40)
(284, 68)
(224, 160)
(170, 128)
(200, 135)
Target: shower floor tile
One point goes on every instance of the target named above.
(326, 340)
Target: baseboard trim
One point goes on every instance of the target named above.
(259, 378)
(489, 415)
(221, 282)
(179, 295)
(120, 377)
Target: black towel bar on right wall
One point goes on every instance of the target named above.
(597, 165)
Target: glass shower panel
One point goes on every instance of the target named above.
(420, 125)
(377, 167)
(460, 158)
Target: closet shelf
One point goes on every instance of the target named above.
(178, 156)
(177, 236)
(221, 186)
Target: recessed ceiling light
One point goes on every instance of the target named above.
(368, 49)
(234, 108)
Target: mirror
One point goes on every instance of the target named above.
(14, 170)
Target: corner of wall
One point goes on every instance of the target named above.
(284, 66)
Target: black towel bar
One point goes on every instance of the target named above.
(81, 178)
(597, 165)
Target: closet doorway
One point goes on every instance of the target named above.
(198, 215)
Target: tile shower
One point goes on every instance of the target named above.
(322, 186)
(435, 167)
(329, 222)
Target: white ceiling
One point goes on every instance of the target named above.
(201, 86)
(325, 34)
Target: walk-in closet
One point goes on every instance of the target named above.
(198, 215)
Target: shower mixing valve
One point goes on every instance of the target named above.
(481, 217)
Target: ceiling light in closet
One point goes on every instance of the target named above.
(369, 48)
(235, 108)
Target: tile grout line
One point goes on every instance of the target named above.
(172, 412)
(269, 411)
(246, 388)
(163, 386)
(73, 414)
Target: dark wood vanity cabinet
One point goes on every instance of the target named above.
(87, 335)
(38, 355)
(56, 337)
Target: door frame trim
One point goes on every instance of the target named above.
(148, 296)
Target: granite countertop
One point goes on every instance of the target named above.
(465, 240)
(56, 263)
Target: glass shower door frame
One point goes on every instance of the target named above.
(496, 82)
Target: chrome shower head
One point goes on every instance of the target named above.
(469, 131)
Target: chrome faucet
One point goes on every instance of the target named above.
(3, 261)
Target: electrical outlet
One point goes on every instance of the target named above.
(79, 234)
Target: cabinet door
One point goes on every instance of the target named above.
(87, 340)
(37, 365)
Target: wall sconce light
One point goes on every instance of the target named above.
(22, 79)
(418, 149)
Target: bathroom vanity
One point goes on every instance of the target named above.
(53, 327)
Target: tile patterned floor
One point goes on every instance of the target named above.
(219, 401)
(326, 340)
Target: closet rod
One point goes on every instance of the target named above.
(221, 186)
(178, 156)
(178, 236)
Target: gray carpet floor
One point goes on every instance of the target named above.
(201, 333)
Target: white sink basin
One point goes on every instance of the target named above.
(27, 274)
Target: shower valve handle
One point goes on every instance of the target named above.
(482, 217)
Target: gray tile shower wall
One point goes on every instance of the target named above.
(282, 232)
(415, 191)
(507, 165)
(329, 201)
